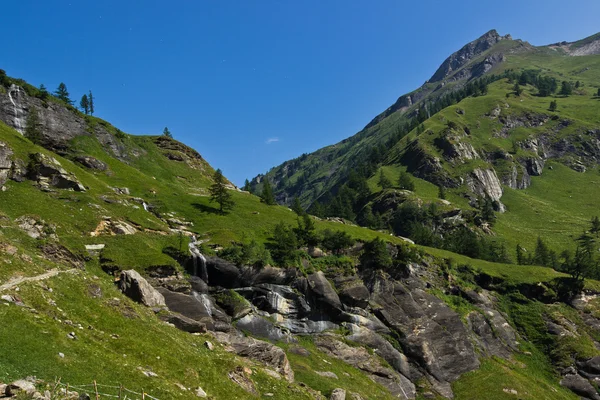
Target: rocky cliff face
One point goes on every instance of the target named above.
(470, 51)
(58, 124)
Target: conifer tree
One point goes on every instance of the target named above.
(85, 104)
(267, 196)
(384, 182)
(553, 105)
(598, 94)
(91, 103)
(405, 181)
(43, 92)
(220, 194)
(246, 186)
(441, 192)
(32, 128)
(517, 89)
(297, 207)
(62, 94)
(167, 133)
(595, 228)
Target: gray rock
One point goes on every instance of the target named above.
(338, 394)
(184, 323)
(222, 273)
(198, 307)
(431, 333)
(591, 366)
(20, 386)
(91, 163)
(495, 335)
(5, 162)
(263, 328)
(322, 291)
(485, 183)
(42, 167)
(580, 386)
(352, 291)
(199, 392)
(266, 353)
(327, 374)
(133, 285)
(400, 386)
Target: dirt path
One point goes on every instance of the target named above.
(46, 275)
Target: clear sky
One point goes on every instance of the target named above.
(252, 83)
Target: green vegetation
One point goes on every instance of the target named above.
(220, 194)
(62, 94)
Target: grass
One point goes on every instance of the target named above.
(349, 378)
(117, 338)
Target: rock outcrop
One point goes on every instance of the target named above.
(47, 171)
(459, 59)
(132, 284)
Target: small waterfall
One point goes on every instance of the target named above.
(197, 256)
(18, 121)
(145, 206)
(205, 301)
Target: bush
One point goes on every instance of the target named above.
(376, 255)
(336, 241)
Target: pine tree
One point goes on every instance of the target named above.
(246, 186)
(91, 103)
(297, 207)
(598, 94)
(405, 181)
(553, 105)
(220, 194)
(32, 128)
(384, 182)
(441, 192)
(167, 133)
(43, 92)
(521, 259)
(517, 89)
(595, 228)
(267, 196)
(566, 88)
(85, 105)
(541, 255)
(63, 94)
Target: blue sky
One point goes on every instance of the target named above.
(252, 83)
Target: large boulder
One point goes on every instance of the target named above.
(266, 353)
(137, 288)
(184, 323)
(47, 170)
(19, 387)
(222, 273)
(580, 386)
(198, 307)
(322, 293)
(91, 163)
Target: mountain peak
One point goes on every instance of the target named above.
(471, 50)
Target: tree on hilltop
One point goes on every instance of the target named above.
(220, 194)
(167, 133)
(91, 103)
(85, 104)
(62, 94)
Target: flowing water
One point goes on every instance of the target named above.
(198, 258)
(18, 121)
